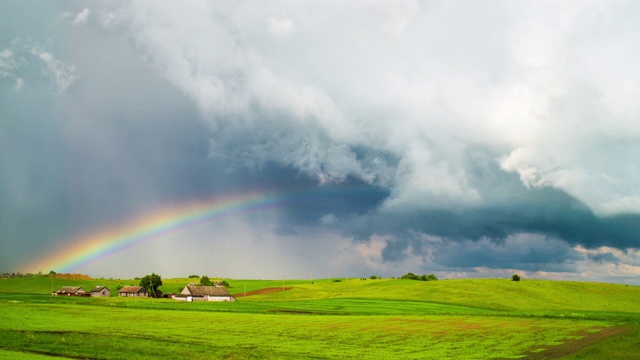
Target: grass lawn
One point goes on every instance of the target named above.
(453, 319)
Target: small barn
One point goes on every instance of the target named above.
(204, 293)
(100, 291)
(71, 291)
(133, 291)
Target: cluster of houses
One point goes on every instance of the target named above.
(97, 291)
(189, 293)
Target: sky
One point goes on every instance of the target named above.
(460, 138)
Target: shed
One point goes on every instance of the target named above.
(133, 291)
(100, 291)
(205, 293)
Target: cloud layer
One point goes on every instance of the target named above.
(483, 137)
(401, 97)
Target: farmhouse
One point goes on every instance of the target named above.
(133, 291)
(70, 291)
(204, 293)
(99, 291)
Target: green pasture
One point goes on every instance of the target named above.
(352, 318)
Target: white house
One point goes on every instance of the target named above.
(204, 293)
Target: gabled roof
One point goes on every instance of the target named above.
(132, 289)
(207, 290)
(70, 289)
(98, 288)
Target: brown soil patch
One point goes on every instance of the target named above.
(69, 276)
(573, 346)
(261, 291)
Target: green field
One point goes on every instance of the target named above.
(358, 319)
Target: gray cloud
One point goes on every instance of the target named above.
(507, 132)
(479, 84)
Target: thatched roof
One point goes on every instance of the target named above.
(98, 288)
(207, 290)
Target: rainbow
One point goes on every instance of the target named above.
(89, 248)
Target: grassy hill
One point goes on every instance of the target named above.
(352, 318)
(488, 294)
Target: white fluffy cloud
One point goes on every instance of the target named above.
(547, 90)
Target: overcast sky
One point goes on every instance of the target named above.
(465, 139)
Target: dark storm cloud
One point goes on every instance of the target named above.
(605, 258)
(526, 252)
(558, 217)
(515, 209)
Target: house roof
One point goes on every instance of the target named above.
(207, 290)
(71, 289)
(132, 289)
(98, 288)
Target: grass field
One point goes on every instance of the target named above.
(377, 319)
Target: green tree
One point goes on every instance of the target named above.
(515, 277)
(151, 283)
(431, 277)
(204, 280)
(410, 276)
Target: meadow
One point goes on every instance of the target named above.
(350, 318)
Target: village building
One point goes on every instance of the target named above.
(70, 291)
(133, 291)
(100, 291)
(204, 293)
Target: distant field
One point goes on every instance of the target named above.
(378, 319)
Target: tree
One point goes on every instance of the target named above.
(424, 277)
(151, 283)
(515, 277)
(204, 280)
(410, 276)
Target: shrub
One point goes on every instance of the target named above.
(515, 277)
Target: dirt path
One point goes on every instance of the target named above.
(261, 291)
(573, 346)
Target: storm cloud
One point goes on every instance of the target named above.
(463, 138)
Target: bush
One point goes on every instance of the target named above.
(515, 277)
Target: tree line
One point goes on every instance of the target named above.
(423, 277)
